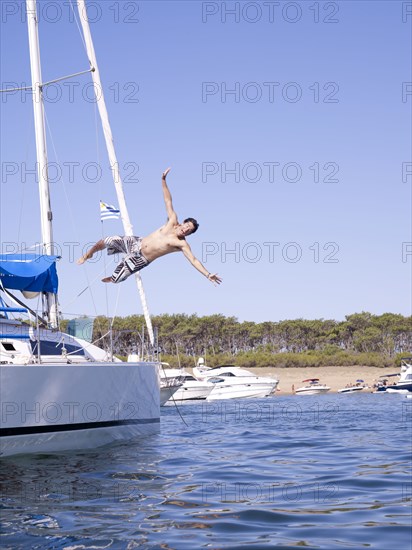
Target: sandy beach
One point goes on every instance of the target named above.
(334, 377)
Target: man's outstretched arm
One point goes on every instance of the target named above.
(187, 251)
(171, 214)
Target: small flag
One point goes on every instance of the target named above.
(108, 212)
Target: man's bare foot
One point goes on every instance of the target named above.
(81, 260)
(107, 280)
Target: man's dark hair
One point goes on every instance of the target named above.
(194, 222)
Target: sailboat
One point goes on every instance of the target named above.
(59, 392)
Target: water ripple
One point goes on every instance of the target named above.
(321, 472)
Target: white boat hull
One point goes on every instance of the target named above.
(240, 391)
(49, 408)
(351, 390)
(191, 393)
(232, 382)
(311, 391)
(167, 392)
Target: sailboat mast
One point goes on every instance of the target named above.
(98, 89)
(41, 149)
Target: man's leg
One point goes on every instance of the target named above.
(129, 265)
(100, 245)
(120, 274)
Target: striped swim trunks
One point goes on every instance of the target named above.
(133, 261)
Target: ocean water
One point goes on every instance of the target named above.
(328, 471)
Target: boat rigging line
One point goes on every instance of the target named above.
(22, 304)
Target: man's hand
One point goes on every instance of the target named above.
(165, 173)
(216, 280)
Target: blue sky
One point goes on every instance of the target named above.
(287, 126)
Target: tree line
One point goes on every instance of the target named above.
(362, 338)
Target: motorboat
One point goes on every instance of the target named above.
(405, 377)
(167, 390)
(313, 387)
(381, 383)
(403, 385)
(193, 389)
(189, 388)
(168, 387)
(354, 388)
(232, 382)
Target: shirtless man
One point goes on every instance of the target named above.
(142, 251)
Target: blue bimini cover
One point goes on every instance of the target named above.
(29, 272)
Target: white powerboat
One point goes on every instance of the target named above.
(168, 387)
(354, 388)
(313, 387)
(193, 389)
(189, 389)
(231, 382)
(403, 385)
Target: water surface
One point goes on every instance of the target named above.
(328, 471)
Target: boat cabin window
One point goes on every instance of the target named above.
(226, 374)
(8, 346)
(55, 348)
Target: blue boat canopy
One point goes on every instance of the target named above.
(30, 272)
